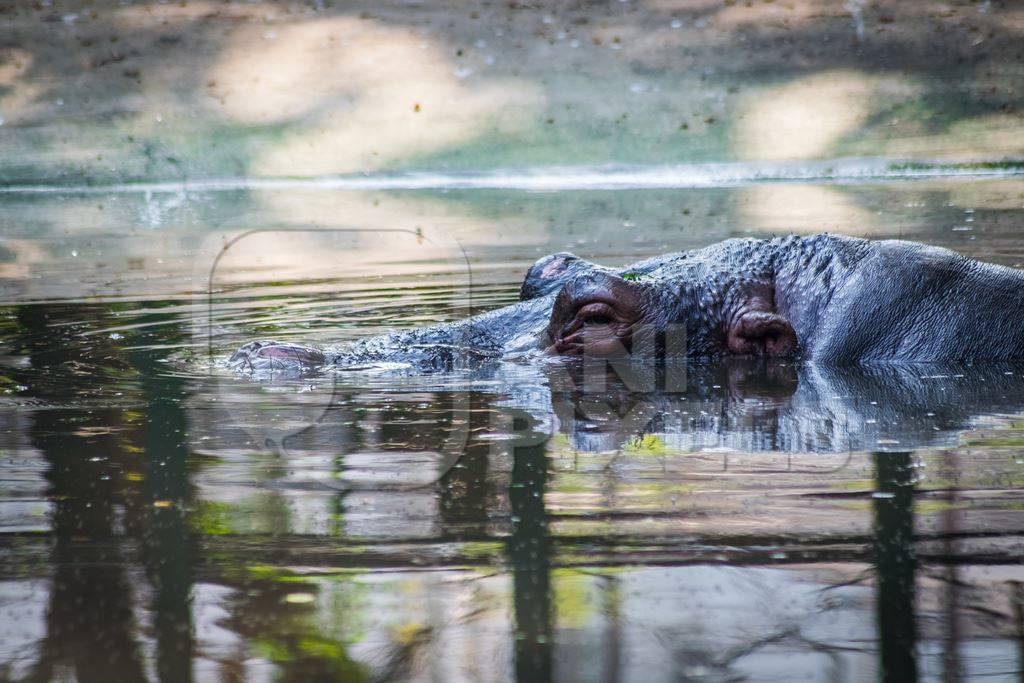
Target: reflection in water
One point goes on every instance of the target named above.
(952, 668)
(738, 513)
(530, 556)
(168, 552)
(90, 617)
(158, 522)
(778, 407)
(895, 564)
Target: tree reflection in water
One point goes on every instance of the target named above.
(91, 623)
(529, 553)
(171, 561)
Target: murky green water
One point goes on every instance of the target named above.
(163, 519)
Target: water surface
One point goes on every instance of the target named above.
(163, 519)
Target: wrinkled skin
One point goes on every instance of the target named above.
(825, 298)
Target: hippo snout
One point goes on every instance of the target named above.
(271, 355)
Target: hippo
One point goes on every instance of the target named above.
(823, 298)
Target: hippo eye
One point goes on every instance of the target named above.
(595, 314)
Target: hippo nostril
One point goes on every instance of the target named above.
(761, 333)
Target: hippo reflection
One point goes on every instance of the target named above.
(747, 405)
(825, 298)
(751, 406)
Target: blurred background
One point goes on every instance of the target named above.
(198, 103)
(126, 91)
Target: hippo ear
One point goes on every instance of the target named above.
(762, 333)
(549, 273)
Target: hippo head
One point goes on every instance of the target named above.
(601, 315)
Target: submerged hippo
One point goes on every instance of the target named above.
(823, 298)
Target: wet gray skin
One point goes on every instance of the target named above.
(824, 298)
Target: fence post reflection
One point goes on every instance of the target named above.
(952, 667)
(895, 565)
(1017, 608)
(612, 607)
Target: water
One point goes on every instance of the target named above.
(161, 518)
